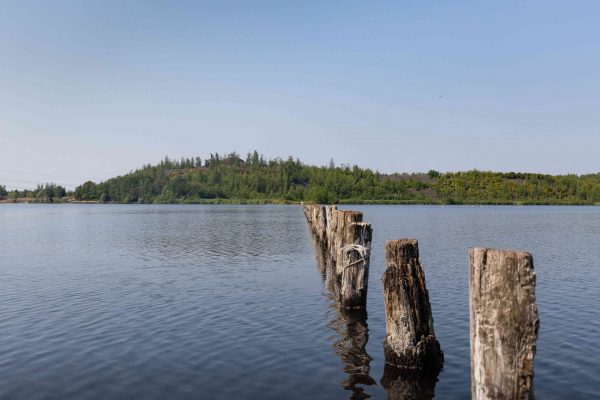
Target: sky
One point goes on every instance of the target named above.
(94, 89)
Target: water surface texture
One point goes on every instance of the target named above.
(182, 302)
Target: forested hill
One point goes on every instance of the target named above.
(255, 180)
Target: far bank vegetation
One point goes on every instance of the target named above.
(253, 179)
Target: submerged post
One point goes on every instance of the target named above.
(410, 342)
(504, 324)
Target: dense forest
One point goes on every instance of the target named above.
(232, 179)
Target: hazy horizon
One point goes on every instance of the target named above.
(89, 91)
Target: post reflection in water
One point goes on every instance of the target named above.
(351, 325)
(320, 253)
(402, 385)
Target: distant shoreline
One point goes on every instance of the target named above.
(28, 200)
(280, 202)
(231, 179)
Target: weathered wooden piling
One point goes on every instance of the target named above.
(348, 243)
(316, 215)
(331, 213)
(353, 265)
(410, 342)
(342, 244)
(504, 324)
(339, 232)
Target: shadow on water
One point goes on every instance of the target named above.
(351, 325)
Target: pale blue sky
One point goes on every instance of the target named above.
(92, 89)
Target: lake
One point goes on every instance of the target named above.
(185, 301)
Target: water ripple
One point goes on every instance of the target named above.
(182, 302)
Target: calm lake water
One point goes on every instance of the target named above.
(182, 302)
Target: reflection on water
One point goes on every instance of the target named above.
(352, 328)
(222, 302)
(321, 258)
(401, 385)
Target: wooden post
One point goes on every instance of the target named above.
(504, 324)
(331, 213)
(353, 266)
(317, 220)
(320, 223)
(410, 342)
(338, 231)
(348, 248)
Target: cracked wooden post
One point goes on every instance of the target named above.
(410, 342)
(353, 265)
(504, 324)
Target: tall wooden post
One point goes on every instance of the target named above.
(410, 342)
(353, 265)
(504, 324)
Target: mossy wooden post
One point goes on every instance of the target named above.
(353, 265)
(504, 324)
(410, 342)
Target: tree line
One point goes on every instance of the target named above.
(254, 179)
(48, 193)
